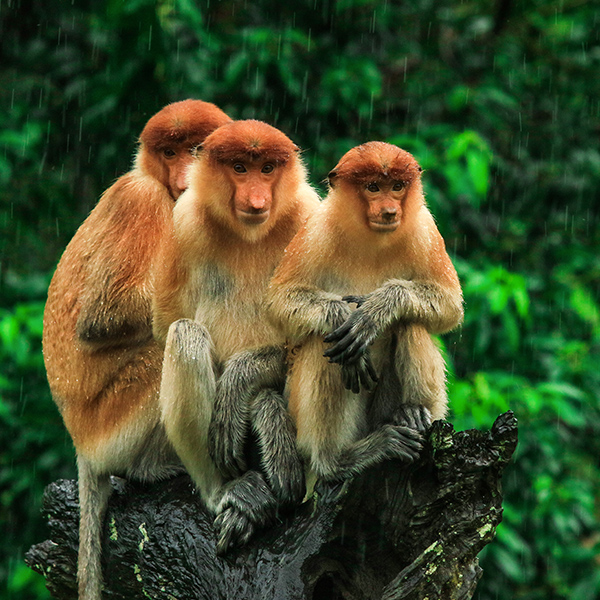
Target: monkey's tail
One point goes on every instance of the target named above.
(94, 491)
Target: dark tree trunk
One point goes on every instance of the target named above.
(396, 532)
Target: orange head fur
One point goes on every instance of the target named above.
(244, 165)
(384, 178)
(169, 136)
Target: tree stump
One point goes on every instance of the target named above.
(396, 532)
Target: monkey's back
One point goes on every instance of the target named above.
(100, 389)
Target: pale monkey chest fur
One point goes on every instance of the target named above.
(231, 305)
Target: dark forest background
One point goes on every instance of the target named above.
(498, 100)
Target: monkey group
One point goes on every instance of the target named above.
(213, 316)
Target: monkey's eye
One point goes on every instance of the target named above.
(239, 168)
(268, 168)
(168, 153)
(399, 185)
(373, 187)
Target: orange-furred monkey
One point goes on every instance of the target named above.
(224, 366)
(372, 243)
(103, 365)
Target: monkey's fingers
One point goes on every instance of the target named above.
(414, 416)
(350, 378)
(231, 526)
(412, 436)
(407, 449)
(366, 373)
(348, 350)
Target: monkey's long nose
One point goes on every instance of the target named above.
(388, 215)
(256, 204)
(181, 181)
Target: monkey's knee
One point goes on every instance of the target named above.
(187, 340)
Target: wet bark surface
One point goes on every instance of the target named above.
(396, 532)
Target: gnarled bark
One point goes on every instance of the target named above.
(396, 532)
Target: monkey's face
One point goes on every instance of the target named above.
(253, 183)
(383, 200)
(175, 161)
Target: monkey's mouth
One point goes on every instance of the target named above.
(384, 226)
(253, 218)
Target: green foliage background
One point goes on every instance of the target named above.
(499, 101)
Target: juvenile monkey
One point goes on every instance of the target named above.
(372, 243)
(102, 364)
(247, 197)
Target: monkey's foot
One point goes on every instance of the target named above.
(286, 477)
(412, 415)
(246, 506)
(387, 442)
(400, 442)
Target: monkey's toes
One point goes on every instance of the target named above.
(234, 528)
(405, 443)
(415, 416)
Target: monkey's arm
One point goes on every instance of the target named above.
(437, 307)
(120, 240)
(305, 311)
(297, 302)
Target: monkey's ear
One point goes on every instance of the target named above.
(332, 175)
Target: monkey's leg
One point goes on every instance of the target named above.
(187, 395)
(387, 442)
(421, 372)
(94, 491)
(280, 460)
(244, 375)
(331, 421)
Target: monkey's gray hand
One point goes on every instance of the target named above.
(360, 374)
(352, 339)
(227, 434)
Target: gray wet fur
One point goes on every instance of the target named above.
(247, 504)
(243, 376)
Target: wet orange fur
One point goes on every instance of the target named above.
(207, 230)
(103, 383)
(214, 269)
(340, 252)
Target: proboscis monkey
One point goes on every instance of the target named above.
(224, 361)
(374, 244)
(102, 364)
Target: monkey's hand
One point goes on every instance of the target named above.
(247, 504)
(353, 338)
(360, 374)
(227, 434)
